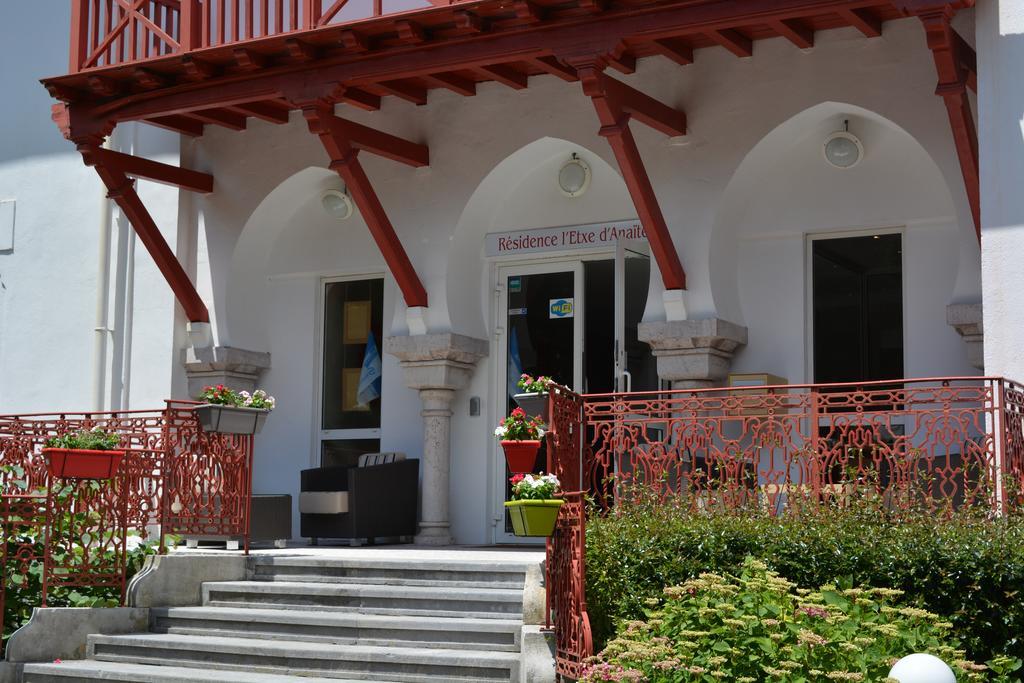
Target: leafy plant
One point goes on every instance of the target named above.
(225, 396)
(520, 427)
(534, 486)
(759, 626)
(531, 385)
(969, 568)
(95, 439)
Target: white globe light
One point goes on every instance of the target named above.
(337, 204)
(922, 668)
(574, 177)
(843, 150)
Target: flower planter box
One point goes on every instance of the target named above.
(230, 419)
(73, 463)
(520, 455)
(535, 405)
(533, 517)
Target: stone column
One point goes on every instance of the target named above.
(967, 320)
(693, 354)
(436, 365)
(237, 368)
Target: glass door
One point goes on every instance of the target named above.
(540, 325)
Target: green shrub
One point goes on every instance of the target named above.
(759, 625)
(968, 569)
(95, 439)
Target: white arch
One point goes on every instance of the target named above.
(289, 234)
(520, 192)
(784, 186)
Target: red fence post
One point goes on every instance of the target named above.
(190, 36)
(311, 13)
(79, 34)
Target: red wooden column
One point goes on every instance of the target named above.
(343, 140)
(615, 103)
(949, 49)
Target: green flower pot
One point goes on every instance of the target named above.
(533, 517)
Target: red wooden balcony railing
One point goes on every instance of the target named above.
(109, 32)
(932, 446)
(174, 475)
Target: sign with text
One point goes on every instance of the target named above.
(560, 239)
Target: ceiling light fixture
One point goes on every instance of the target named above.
(843, 149)
(574, 177)
(337, 204)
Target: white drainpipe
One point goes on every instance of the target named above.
(102, 329)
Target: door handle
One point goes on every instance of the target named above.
(627, 376)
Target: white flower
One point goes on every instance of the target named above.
(500, 431)
(244, 394)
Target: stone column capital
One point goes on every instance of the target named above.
(693, 354)
(967, 320)
(437, 361)
(238, 368)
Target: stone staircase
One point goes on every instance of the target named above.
(301, 618)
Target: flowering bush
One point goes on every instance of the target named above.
(520, 427)
(759, 626)
(531, 385)
(534, 486)
(225, 396)
(95, 439)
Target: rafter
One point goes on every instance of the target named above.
(263, 111)
(406, 91)
(505, 74)
(455, 83)
(359, 98)
(795, 31)
(220, 117)
(178, 123)
(344, 155)
(675, 49)
(555, 67)
(865, 22)
(733, 41)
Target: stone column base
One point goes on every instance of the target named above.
(693, 354)
(237, 368)
(967, 320)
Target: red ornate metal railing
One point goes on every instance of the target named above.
(933, 445)
(108, 32)
(175, 477)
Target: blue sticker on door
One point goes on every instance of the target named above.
(560, 308)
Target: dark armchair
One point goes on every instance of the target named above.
(377, 498)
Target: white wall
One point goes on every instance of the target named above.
(48, 280)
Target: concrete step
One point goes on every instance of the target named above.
(499, 635)
(89, 670)
(327, 660)
(398, 572)
(438, 601)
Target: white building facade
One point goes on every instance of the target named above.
(796, 268)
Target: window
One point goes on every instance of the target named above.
(351, 388)
(857, 308)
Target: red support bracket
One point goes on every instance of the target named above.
(954, 62)
(343, 140)
(113, 170)
(615, 103)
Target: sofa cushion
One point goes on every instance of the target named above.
(370, 459)
(323, 502)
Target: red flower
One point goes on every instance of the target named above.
(516, 478)
(518, 412)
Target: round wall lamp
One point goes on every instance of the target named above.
(574, 177)
(843, 149)
(337, 204)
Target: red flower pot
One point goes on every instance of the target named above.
(520, 455)
(72, 463)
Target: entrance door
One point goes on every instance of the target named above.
(574, 321)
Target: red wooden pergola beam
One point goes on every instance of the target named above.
(947, 49)
(121, 189)
(643, 108)
(377, 142)
(343, 153)
(137, 167)
(615, 128)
